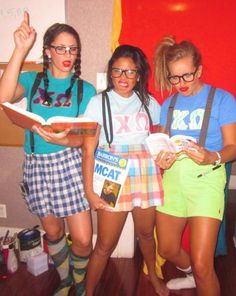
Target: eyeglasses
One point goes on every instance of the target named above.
(129, 73)
(187, 77)
(63, 49)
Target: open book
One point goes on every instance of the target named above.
(162, 142)
(25, 119)
(110, 172)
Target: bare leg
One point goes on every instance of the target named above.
(53, 226)
(203, 237)
(110, 226)
(80, 228)
(169, 235)
(144, 220)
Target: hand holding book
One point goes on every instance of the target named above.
(177, 144)
(63, 138)
(165, 159)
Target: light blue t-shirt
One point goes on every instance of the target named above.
(130, 120)
(189, 112)
(61, 106)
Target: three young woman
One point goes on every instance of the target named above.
(53, 172)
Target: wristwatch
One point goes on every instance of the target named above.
(218, 161)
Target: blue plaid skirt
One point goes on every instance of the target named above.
(55, 183)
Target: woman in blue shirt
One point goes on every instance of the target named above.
(193, 185)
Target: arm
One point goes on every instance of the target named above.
(88, 150)
(24, 38)
(227, 153)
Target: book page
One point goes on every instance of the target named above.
(63, 119)
(182, 141)
(25, 119)
(20, 117)
(159, 141)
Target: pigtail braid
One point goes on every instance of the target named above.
(72, 81)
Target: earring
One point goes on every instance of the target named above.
(49, 57)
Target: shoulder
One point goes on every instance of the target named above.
(153, 101)
(95, 100)
(27, 79)
(88, 85)
(224, 94)
(224, 98)
(167, 101)
(28, 75)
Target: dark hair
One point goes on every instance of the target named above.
(140, 60)
(169, 51)
(49, 36)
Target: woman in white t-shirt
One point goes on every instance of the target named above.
(122, 132)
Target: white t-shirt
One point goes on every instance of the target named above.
(130, 121)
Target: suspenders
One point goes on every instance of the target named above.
(106, 104)
(206, 117)
(35, 86)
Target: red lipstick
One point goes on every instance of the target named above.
(66, 64)
(184, 88)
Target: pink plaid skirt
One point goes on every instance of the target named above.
(143, 186)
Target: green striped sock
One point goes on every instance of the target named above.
(80, 267)
(59, 252)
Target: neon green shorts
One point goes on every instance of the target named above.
(187, 195)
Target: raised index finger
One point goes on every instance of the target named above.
(26, 18)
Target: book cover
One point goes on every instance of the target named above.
(162, 142)
(25, 119)
(110, 172)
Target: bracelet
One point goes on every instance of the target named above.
(218, 161)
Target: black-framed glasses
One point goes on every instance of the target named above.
(187, 77)
(129, 73)
(60, 49)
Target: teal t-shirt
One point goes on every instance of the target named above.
(61, 106)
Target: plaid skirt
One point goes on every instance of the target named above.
(55, 184)
(143, 186)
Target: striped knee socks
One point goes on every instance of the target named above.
(80, 267)
(59, 252)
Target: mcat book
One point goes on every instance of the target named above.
(110, 172)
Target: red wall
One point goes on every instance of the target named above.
(211, 25)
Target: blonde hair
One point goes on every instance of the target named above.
(169, 51)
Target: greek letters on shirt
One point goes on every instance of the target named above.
(126, 124)
(185, 120)
(61, 100)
